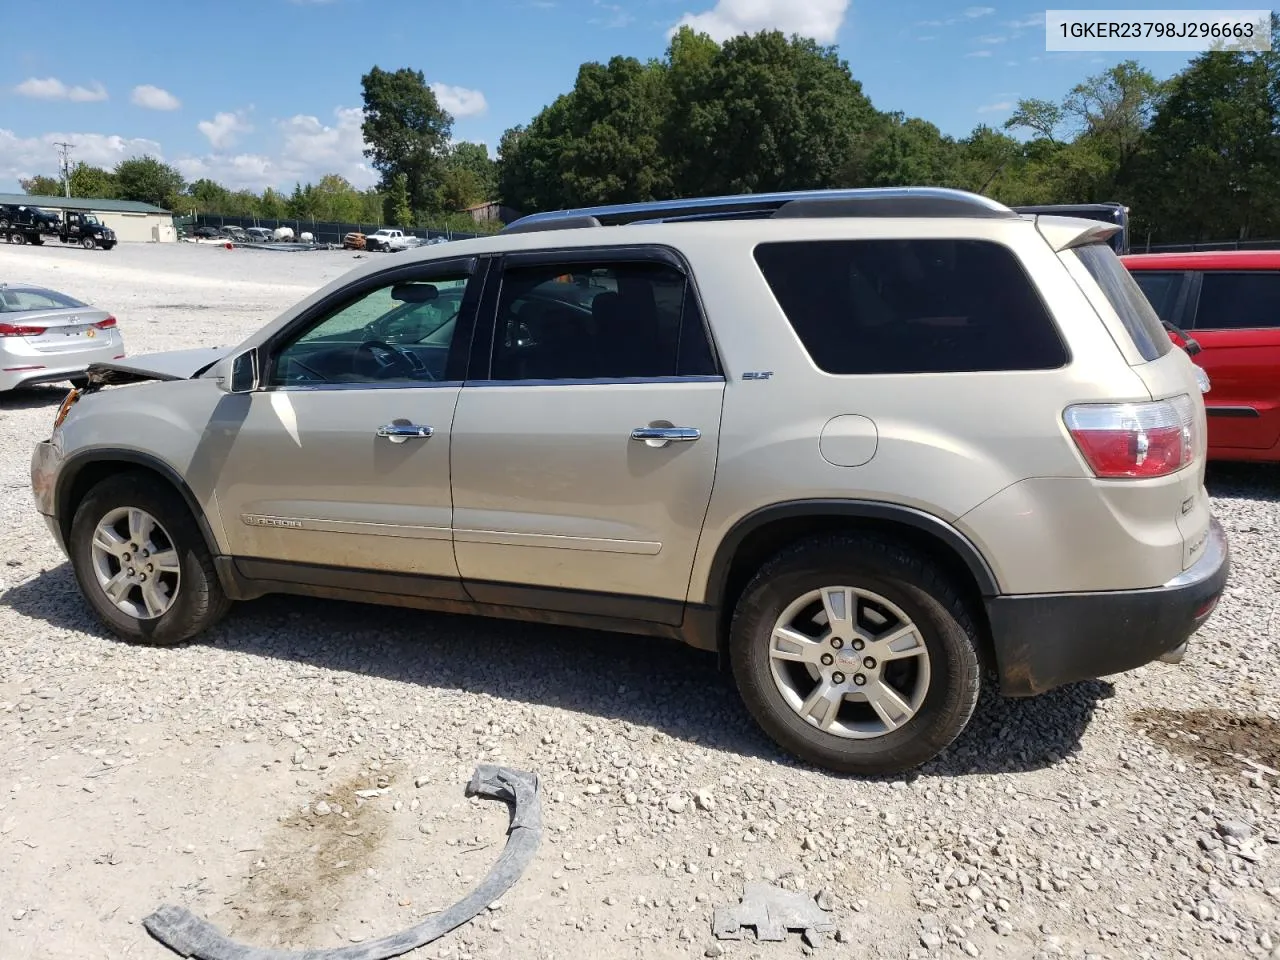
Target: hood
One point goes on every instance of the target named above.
(170, 365)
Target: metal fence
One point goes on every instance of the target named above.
(320, 230)
(1215, 245)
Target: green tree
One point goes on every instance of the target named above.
(92, 182)
(335, 199)
(474, 158)
(407, 132)
(1210, 165)
(271, 205)
(148, 180)
(396, 209)
(910, 152)
(41, 186)
(207, 196)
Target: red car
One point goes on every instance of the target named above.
(1229, 302)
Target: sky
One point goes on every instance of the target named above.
(257, 93)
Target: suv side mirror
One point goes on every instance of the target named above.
(242, 373)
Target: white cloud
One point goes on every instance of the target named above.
(973, 13)
(979, 53)
(22, 157)
(307, 149)
(51, 88)
(224, 129)
(154, 98)
(818, 19)
(1004, 106)
(993, 38)
(1034, 20)
(460, 101)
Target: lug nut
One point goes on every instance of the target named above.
(828, 659)
(869, 662)
(837, 642)
(146, 553)
(142, 578)
(126, 558)
(858, 644)
(860, 680)
(837, 678)
(132, 572)
(151, 569)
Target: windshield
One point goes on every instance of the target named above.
(1127, 299)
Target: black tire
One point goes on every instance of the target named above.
(18, 238)
(920, 591)
(200, 602)
(88, 243)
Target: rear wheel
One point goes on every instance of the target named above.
(142, 563)
(855, 655)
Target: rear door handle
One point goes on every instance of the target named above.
(661, 436)
(400, 432)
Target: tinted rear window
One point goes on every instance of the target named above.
(1127, 299)
(1239, 301)
(911, 306)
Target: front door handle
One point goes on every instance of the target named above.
(661, 436)
(400, 432)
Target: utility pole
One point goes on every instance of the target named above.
(64, 155)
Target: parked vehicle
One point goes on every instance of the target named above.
(21, 224)
(259, 234)
(389, 240)
(234, 233)
(49, 337)
(353, 241)
(207, 233)
(862, 443)
(1229, 303)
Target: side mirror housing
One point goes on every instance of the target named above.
(241, 374)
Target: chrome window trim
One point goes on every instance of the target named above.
(593, 381)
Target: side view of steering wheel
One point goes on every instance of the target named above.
(390, 361)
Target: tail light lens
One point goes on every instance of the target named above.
(1125, 441)
(106, 324)
(19, 330)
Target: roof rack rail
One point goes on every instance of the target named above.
(902, 202)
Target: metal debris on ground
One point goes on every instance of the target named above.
(772, 911)
(189, 936)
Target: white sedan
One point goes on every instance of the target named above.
(48, 337)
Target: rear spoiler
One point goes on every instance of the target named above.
(1065, 233)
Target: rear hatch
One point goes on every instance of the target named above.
(1175, 383)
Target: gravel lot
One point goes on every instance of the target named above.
(1132, 818)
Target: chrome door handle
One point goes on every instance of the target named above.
(400, 432)
(661, 436)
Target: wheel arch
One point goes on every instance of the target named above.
(764, 532)
(81, 472)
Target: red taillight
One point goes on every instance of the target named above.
(18, 330)
(1134, 440)
(105, 324)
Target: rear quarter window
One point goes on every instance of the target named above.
(911, 306)
(1131, 305)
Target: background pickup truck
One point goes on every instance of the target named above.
(391, 241)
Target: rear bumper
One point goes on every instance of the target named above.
(1047, 640)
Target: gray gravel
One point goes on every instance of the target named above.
(297, 775)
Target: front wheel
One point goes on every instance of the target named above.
(856, 655)
(142, 563)
(88, 243)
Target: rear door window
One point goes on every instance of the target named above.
(911, 306)
(1127, 299)
(1239, 301)
(1162, 290)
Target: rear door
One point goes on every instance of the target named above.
(1237, 321)
(584, 447)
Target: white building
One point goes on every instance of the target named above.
(132, 221)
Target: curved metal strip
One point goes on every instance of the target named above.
(189, 936)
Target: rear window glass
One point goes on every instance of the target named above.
(911, 306)
(1239, 301)
(1161, 290)
(1127, 299)
(34, 298)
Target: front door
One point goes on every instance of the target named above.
(342, 460)
(584, 449)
